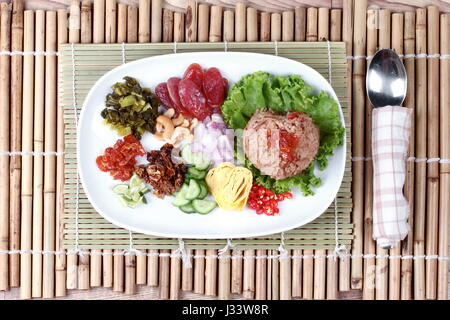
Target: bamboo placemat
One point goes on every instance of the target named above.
(32, 195)
(80, 67)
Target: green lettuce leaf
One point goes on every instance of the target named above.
(281, 94)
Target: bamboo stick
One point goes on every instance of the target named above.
(48, 289)
(27, 160)
(269, 275)
(297, 263)
(224, 276)
(421, 152)
(4, 142)
(240, 12)
(347, 37)
(60, 259)
(211, 272)
(99, 21)
(83, 271)
(320, 264)
(308, 263)
(248, 285)
(178, 27)
(74, 37)
(324, 24)
(74, 20)
(152, 267)
(118, 268)
(261, 275)
(215, 31)
(175, 277)
(275, 282)
(236, 271)
(252, 24)
(444, 203)
(228, 25)
(167, 30)
(203, 22)
(187, 273)
(382, 267)
(122, 11)
(311, 24)
(285, 277)
(141, 267)
(432, 152)
(110, 21)
(144, 21)
(199, 271)
(407, 248)
(288, 26)
(275, 27)
(300, 24)
(86, 23)
(359, 66)
(332, 273)
(265, 26)
(15, 145)
(164, 274)
(38, 140)
(191, 21)
(395, 264)
(369, 243)
(132, 24)
(130, 274)
(156, 20)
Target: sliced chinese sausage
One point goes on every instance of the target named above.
(172, 86)
(194, 73)
(193, 99)
(213, 87)
(163, 95)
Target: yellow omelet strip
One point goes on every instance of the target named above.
(230, 185)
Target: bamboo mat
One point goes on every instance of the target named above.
(32, 184)
(80, 67)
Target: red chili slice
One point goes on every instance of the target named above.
(193, 99)
(213, 86)
(162, 92)
(194, 73)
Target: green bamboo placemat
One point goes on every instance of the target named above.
(80, 65)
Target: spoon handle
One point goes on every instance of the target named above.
(390, 140)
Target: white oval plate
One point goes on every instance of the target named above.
(159, 217)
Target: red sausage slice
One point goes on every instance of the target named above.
(194, 73)
(193, 99)
(213, 86)
(172, 86)
(163, 95)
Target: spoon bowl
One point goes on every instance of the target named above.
(386, 79)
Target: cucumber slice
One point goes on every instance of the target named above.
(203, 206)
(144, 191)
(136, 182)
(135, 196)
(180, 201)
(186, 154)
(203, 190)
(143, 200)
(196, 174)
(200, 162)
(188, 208)
(193, 190)
(121, 188)
(125, 200)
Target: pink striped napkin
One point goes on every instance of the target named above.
(390, 140)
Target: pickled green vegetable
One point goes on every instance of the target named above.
(130, 109)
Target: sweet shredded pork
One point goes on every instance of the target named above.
(162, 173)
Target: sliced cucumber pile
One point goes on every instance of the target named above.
(190, 197)
(132, 194)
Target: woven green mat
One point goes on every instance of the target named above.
(85, 63)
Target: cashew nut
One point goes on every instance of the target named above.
(158, 135)
(178, 120)
(169, 113)
(180, 133)
(194, 123)
(159, 127)
(167, 125)
(185, 123)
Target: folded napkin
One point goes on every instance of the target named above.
(390, 140)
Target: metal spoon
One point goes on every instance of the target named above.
(386, 79)
(386, 82)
